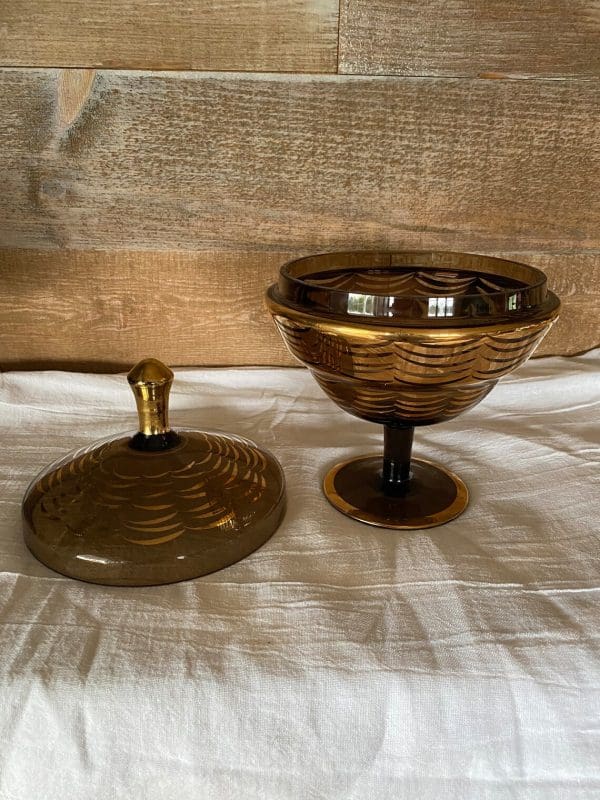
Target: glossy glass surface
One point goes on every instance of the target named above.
(115, 515)
(156, 506)
(407, 339)
(417, 288)
(431, 495)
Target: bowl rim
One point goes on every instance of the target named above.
(530, 297)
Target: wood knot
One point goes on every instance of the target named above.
(73, 89)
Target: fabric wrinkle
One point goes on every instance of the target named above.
(339, 660)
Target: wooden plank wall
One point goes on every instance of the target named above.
(159, 161)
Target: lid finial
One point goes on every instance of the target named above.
(151, 381)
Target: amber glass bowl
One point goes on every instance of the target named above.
(407, 339)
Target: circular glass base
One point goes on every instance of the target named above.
(433, 496)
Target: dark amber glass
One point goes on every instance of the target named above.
(157, 506)
(407, 339)
(383, 288)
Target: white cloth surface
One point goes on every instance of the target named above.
(339, 660)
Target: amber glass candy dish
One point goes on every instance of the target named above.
(158, 506)
(407, 339)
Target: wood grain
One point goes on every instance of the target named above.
(575, 278)
(73, 88)
(196, 161)
(103, 311)
(253, 35)
(494, 38)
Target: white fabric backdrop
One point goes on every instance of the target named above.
(339, 661)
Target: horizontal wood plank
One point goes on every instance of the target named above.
(575, 278)
(197, 161)
(254, 35)
(103, 311)
(495, 38)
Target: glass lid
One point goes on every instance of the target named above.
(414, 288)
(157, 506)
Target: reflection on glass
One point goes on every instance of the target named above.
(370, 305)
(407, 339)
(361, 304)
(440, 307)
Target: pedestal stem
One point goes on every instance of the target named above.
(397, 446)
